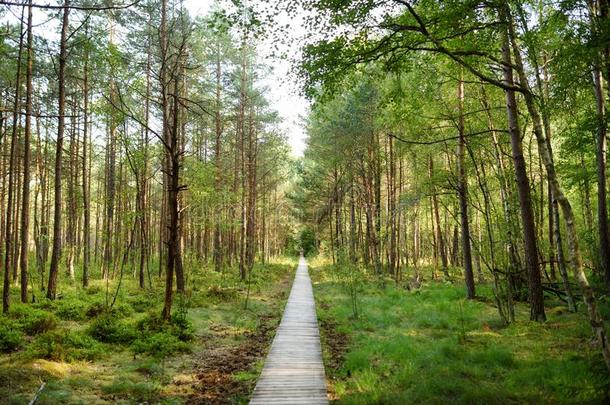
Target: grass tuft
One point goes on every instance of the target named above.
(432, 346)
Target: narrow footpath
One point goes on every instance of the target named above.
(294, 371)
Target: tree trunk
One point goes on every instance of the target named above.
(536, 298)
(8, 247)
(56, 251)
(25, 199)
(463, 196)
(218, 259)
(600, 155)
(561, 263)
(169, 141)
(86, 173)
(595, 319)
(438, 231)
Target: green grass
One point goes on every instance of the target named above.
(430, 345)
(85, 353)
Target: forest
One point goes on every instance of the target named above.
(445, 229)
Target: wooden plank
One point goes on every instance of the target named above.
(294, 371)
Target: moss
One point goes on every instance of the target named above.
(135, 391)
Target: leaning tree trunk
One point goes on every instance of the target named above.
(536, 297)
(561, 263)
(595, 319)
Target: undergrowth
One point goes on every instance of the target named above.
(430, 345)
(83, 350)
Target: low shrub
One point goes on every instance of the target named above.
(33, 321)
(10, 338)
(99, 308)
(149, 367)
(106, 328)
(152, 322)
(218, 292)
(181, 327)
(140, 303)
(72, 310)
(94, 290)
(178, 326)
(159, 345)
(63, 345)
(95, 309)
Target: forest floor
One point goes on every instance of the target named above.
(427, 344)
(212, 351)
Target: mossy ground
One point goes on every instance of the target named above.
(430, 345)
(85, 354)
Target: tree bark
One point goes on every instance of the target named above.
(595, 319)
(8, 247)
(61, 102)
(536, 298)
(463, 196)
(218, 256)
(86, 174)
(438, 231)
(25, 199)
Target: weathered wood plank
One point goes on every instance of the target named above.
(293, 371)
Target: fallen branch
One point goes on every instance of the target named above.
(33, 401)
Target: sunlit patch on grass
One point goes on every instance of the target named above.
(86, 353)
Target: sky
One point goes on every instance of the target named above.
(283, 93)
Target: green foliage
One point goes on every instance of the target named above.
(95, 309)
(63, 345)
(307, 241)
(149, 367)
(219, 293)
(55, 393)
(72, 310)
(141, 302)
(33, 321)
(432, 346)
(133, 390)
(159, 345)
(120, 310)
(10, 338)
(108, 329)
(131, 343)
(179, 325)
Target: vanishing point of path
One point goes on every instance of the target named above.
(294, 372)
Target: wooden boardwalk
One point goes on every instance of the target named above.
(293, 371)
